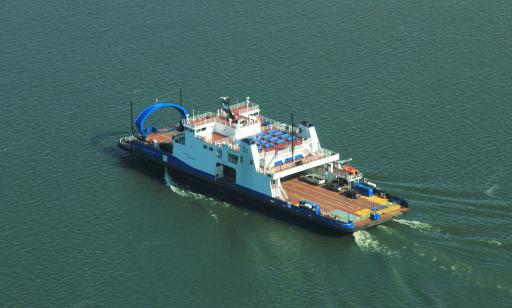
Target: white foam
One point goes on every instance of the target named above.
(368, 243)
(417, 225)
(494, 242)
(180, 190)
(460, 267)
(490, 191)
(183, 192)
(215, 217)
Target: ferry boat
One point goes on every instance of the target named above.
(280, 165)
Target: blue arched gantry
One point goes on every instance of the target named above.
(139, 122)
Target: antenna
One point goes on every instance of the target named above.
(226, 108)
(181, 98)
(131, 114)
(293, 137)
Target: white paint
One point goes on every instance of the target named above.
(254, 169)
(305, 167)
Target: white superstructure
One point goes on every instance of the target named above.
(239, 145)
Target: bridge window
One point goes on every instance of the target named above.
(233, 158)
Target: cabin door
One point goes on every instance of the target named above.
(228, 174)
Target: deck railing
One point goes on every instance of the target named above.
(230, 142)
(279, 125)
(349, 177)
(323, 153)
(210, 117)
(244, 107)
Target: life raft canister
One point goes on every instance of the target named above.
(350, 170)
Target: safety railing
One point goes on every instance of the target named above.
(230, 142)
(323, 153)
(210, 117)
(279, 125)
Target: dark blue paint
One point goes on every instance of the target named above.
(173, 162)
(141, 118)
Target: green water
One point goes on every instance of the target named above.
(417, 92)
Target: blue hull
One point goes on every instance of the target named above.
(156, 155)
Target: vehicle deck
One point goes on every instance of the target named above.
(329, 201)
(297, 190)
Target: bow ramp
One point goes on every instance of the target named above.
(139, 122)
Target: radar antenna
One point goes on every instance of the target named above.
(226, 108)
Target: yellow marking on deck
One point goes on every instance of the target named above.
(392, 208)
(363, 212)
(378, 200)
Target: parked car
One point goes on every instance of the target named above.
(333, 186)
(352, 193)
(314, 179)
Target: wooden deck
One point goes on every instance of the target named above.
(213, 137)
(162, 136)
(328, 200)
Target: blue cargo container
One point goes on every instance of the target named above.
(364, 190)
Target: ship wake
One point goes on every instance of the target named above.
(179, 190)
(369, 243)
(184, 192)
(417, 225)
